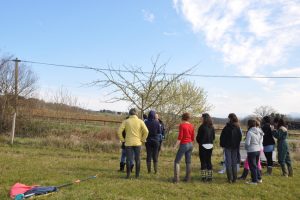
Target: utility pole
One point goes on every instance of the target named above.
(16, 99)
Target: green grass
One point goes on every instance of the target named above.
(48, 166)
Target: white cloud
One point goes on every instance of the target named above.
(252, 35)
(288, 72)
(148, 16)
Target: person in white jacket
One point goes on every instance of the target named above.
(253, 145)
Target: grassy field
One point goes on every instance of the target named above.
(46, 166)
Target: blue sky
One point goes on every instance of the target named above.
(223, 37)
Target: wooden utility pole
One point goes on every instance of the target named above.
(16, 99)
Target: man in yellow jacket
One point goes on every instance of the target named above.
(136, 134)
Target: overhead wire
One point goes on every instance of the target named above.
(170, 74)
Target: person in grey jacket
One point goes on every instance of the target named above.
(253, 145)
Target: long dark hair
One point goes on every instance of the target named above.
(252, 123)
(207, 120)
(233, 119)
(281, 122)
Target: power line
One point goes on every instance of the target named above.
(169, 74)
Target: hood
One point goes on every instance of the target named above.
(284, 129)
(256, 131)
(151, 115)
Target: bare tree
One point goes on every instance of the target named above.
(262, 111)
(142, 89)
(26, 85)
(182, 96)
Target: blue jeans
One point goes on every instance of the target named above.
(123, 157)
(184, 149)
(253, 158)
(133, 152)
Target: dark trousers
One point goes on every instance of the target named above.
(152, 150)
(231, 161)
(205, 158)
(253, 158)
(269, 157)
(133, 151)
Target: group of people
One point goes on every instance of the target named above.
(133, 132)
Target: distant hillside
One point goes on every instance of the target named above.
(36, 107)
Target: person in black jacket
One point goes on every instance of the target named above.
(205, 139)
(153, 140)
(230, 140)
(268, 143)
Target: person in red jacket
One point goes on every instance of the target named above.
(185, 140)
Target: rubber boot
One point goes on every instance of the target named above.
(234, 173)
(229, 175)
(203, 175)
(128, 170)
(131, 167)
(155, 167)
(284, 172)
(149, 167)
(209, 175)
(269, 171)
(290, 171)
(188, 170)
(137, 169)
(122, 167)
(176, 173)
(244, 174)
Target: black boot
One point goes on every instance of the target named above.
(269, 170)
(128, 170)
(234, 173)
(149, 167)
(290, 171)
(155, 167)
(244, 175)
(122, 167)
(131, 167)
(137, 169)
(284, 172)
(229, 175)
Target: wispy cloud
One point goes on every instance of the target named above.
(148, 16)
(251, 35)
(170, 33)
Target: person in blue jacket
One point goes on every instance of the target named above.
(153, 141)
